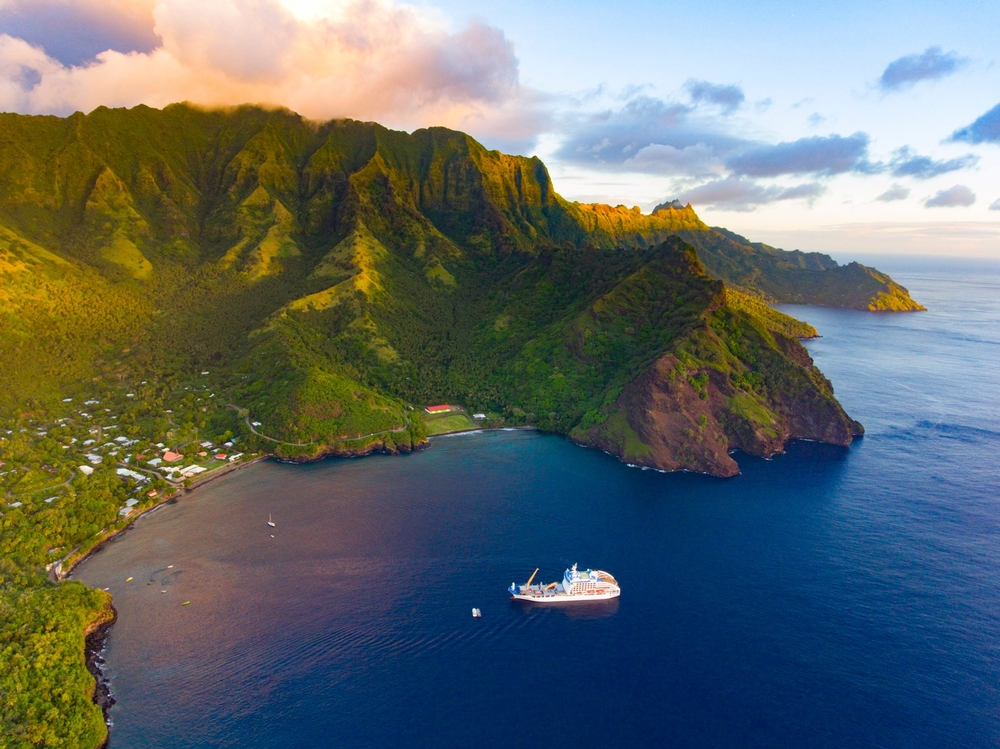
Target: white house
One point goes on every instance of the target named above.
(131, 474)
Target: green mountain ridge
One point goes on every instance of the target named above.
(304, 288)
(340, 271)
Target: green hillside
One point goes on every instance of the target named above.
(245, 282)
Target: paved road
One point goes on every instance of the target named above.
(306, 444)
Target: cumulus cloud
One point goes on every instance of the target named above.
(727, 97)
(986, 129)
(958, 196)
(735, 194)
(833, 154)
(368, 59)
(929, 65)
(906, 163)
(995, 205)
(75, 31)
(651, 135)
(896, 192)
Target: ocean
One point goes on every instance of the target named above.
(827, 597)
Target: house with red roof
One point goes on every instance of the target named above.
(441, 409)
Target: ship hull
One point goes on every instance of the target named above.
(566, 597)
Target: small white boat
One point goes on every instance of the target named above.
(477, 614)
(576, 585)
(269, 521)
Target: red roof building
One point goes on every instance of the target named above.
(443, 408)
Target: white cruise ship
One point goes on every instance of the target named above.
(588, 585)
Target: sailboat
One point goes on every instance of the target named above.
(269, 521)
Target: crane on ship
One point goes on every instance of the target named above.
(528, 584)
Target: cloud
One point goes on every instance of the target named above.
(662, 159)
(935, 238)
(995, 205)
(986, 129)
(957, 196)
(655, 136)
(818, 155)
(727, 98)
(651, 135)
(905, 163)
(368, 59)
(896, 192)
(75, 31)
(734, 194)
(929, 65)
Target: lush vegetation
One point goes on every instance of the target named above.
(235, 283)
(796, 277)
(45, 690)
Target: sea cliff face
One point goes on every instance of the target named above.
(753, 389)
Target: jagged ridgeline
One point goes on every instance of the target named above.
(336, 273)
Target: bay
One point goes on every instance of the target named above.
(826, 598)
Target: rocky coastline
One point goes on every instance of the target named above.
(95, 639)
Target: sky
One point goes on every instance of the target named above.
(847, 127)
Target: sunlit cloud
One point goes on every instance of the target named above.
(74, 32)
(367, 59)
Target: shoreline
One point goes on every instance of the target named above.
(95, 638)
(524, 428)
(97, 631)
(65, 573)
(59, 573)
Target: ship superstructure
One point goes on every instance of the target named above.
(576, 585)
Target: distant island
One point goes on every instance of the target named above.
(186, 290)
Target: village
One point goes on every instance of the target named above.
(75, 473)
(101, 459)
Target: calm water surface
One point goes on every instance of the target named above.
(826, 598)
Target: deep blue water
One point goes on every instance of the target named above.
(825, 598)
